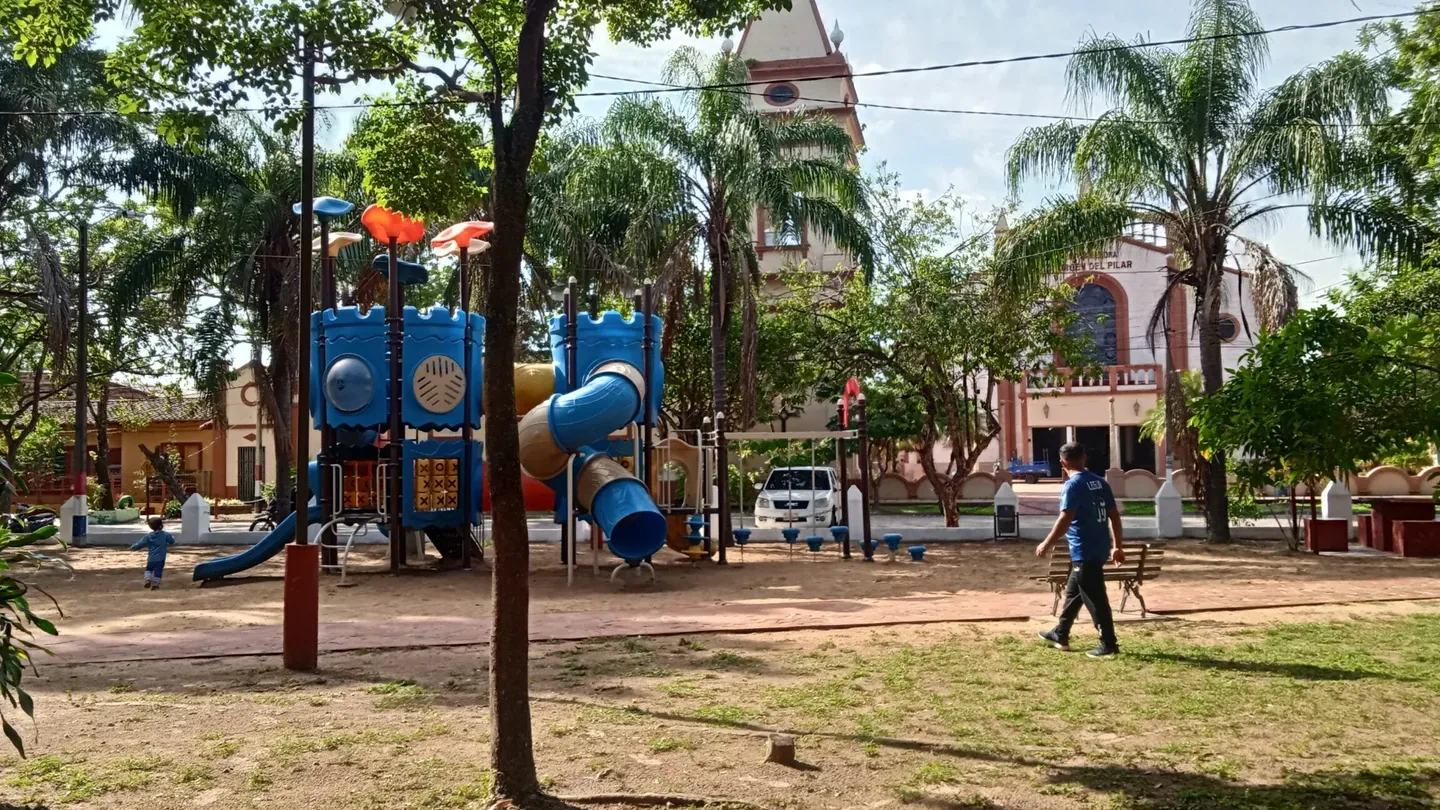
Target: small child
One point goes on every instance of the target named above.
(158, 541)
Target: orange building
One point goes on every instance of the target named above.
(229, 457)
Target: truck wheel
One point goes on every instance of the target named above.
(1032, 478)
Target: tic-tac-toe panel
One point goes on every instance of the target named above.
(432, 482)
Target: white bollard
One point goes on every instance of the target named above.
(715, 517)
(1005, 497)
(856, 503)
(1169, 510)
(76, 506)
(194, 519)
(1336, 504)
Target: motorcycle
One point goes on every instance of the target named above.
(26, 519)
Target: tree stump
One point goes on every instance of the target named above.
(780, 749)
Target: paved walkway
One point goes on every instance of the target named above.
(733, 617)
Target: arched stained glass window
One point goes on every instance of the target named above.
(1094, 308)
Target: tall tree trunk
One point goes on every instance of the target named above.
(718, 243)
(7, 497)
(102, 446)
(279, 401)
(746, 408)
(1212, 372)
(511, 748)
(512, 756)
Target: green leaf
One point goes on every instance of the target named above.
(27, 703)
(45, 625)
(13, 736)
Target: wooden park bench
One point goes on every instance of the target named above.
(1142, 564)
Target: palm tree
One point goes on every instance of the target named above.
(1192, 144)
(730, 159)
(238, 251)
(1154, 426)
(607, 213)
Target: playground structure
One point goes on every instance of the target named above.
(383, 376)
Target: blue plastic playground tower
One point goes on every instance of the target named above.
(375, 377)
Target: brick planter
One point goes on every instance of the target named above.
(1326, 535)
(1364, 525)
(1389, 511)
(1417, 538)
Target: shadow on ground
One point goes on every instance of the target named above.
(1300, 672)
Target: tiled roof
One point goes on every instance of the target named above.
(148, 408)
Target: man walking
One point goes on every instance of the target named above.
(1088, 517)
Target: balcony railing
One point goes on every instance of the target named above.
(1146, 377)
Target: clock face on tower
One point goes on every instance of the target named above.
(781, 94)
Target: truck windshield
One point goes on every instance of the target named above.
(798, 479)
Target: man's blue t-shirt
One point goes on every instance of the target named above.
(1092, 500)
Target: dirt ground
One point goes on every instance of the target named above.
(104, 593)
(1201, 712)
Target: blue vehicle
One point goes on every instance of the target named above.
(1032, 472)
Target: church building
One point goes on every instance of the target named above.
(797, 65)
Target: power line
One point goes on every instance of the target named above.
(1042, 56)
(843, 75)
(973, 112)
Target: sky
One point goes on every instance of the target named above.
(965, 155)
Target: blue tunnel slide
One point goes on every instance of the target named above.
(576, 423)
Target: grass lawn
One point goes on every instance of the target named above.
(931, 509)
(1195, 714)
(1142, 508)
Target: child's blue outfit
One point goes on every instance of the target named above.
(158, 543)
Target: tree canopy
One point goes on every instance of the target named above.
(1321, 397)
(1190, 141)
(938, 322)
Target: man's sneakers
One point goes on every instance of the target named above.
(1054, 640)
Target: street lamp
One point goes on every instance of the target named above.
(77, 509)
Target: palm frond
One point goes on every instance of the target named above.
(1045, 151)
(1123, 158)
(1274, 289)
(1061, 229)
(1376, 228)
(1134, 78)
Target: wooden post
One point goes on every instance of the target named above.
(467, 432)
(842, 461)
(328, 510)
(864, 440)
(647, 345)
(395, 319)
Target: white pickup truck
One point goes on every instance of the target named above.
(803, 497)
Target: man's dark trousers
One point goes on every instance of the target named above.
(1087, 586)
